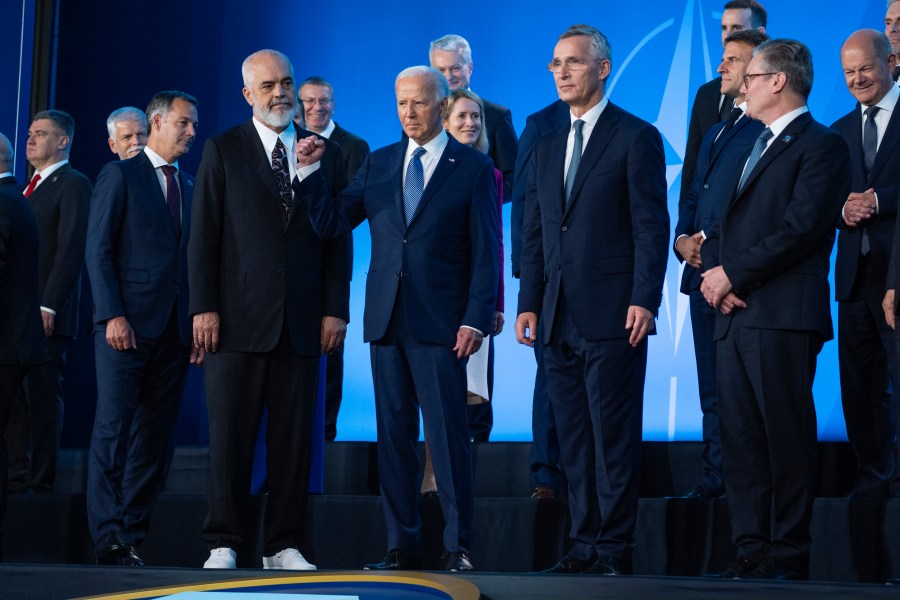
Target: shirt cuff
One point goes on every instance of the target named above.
(304, 172)
(48, 310)
(473, 329)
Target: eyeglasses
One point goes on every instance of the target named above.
(749, 77)
(572, 64)
(314, 101)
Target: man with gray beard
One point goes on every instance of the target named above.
(268, 297)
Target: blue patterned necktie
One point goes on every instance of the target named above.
(758, 149)
(414, 185)
(282, 176)
(576, 158)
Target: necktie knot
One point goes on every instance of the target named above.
(870, 112)
(169, 170)
(32, 184)
(418, 152)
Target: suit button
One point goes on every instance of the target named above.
(705, 186)
(405, 241)
(558, 268)
(397, 273)
(564, 228)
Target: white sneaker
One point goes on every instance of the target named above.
(221, 558)
(289, 559)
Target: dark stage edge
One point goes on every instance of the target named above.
(31, 582)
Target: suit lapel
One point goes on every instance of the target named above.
(854, 141)
(187, 198)
(889, 141)
(151, 189)
(48, 184)
(397, 166)
(253, 149)
(446, 163)
(778, 145)
(600, 138)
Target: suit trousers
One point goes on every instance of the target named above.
(11, 377)
(35, 422)
(138, 398)
(596, 391)
(238, 386)
(545, 469)
(868, 364)
(768, 423)
(703, 325)
(334, 391)
(409, 374)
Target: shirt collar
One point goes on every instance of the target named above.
(888, 102)
(779, 124)
(269, 138)
(326, 133)
(46, 172)
(593, 115)
(434, 147)
(156, 160)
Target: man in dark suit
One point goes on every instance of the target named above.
(452, 56)
(867, 357)
(21, 333)
(431, 204)
(711, 105)
(546, 475)
(593, 261)
(7, 178)
(60, 197)
(766, 271)
(268, 297)
(317, 103)
(136, 258)
(722, 154)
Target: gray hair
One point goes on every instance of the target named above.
(793, 59)
(247, 65)
(126, 113)
(439, 83)
(316, 80)
(7, 153)
(602, 49)
(161, 103)
(453, 43)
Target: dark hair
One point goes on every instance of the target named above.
(61, 118)
(758, 15)
(751, 37)
(161, 103)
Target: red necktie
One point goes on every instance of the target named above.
(173, 195)
(32, 184)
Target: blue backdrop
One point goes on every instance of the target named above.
(111, 54)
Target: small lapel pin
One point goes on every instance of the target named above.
(452, 159)
(787, 139)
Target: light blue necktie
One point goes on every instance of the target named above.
(576, 158)
(415, 184)
(757, 152)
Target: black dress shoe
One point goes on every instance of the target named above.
(740, 568)
(701, 492)
(396, 560)
(457, 561)
(112, 549)
(609, 565)
(772, 568)
(569, 564)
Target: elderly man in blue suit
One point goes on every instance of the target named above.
(136, 257)
(595, 238)
(431, 204)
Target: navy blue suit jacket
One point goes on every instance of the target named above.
(775, 237)
(537, 125)
(21, 329)
(448, 258)
(61, 204)
(136, 256)
(885, 179)
(719, 168)
(607, 251)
